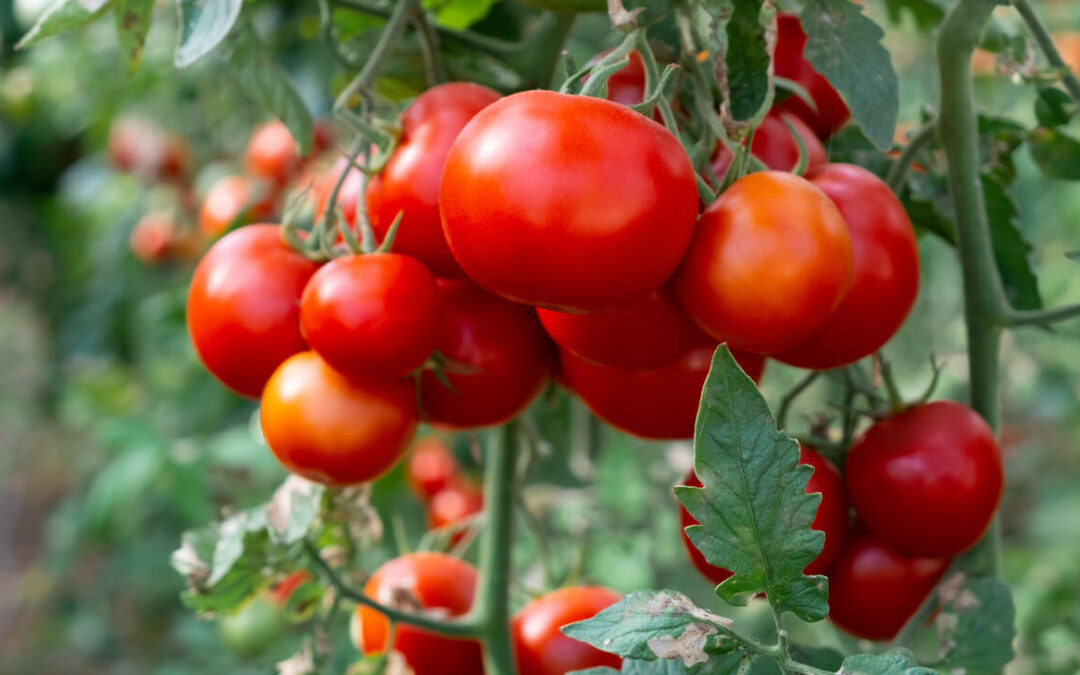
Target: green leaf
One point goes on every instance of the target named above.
(458, 14)
(746, 61)
(1053, 108)
(203, 26)
(1011, 251)
(844, 45)
(927, 13)
(293, 509)
(262, 79)
(133, 23)
(63, 16)
(754, 512)
(661, 667)
(224, 563)
(1057, 154)
(893, 662)
(976, 624)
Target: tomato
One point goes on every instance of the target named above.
(152, 237)
(410, 182)
(658, 404)
(541, 648)
(458, 501)
(831, 518)
(831, 113)
(431, 467)
(775, 146)
(177, 161)
(648, 334)
(928, 480)
(253, 628)
(434, 582)
(272, 154)
(627, 86)
(281, 593)
(243, 308)
(874, 590)
(770, 260)
(235, 200)
(885, 278)
(375, 314)
(142, 147)
(500, 359)
(567, 202)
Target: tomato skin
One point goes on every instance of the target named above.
(410, 181)
(332, 428)
(235, 200)
(504, 347)
(569, 237)
(928, 480)
(243, 308)
(437, 582)
(272, 154)
(658, 404)
(831, 518)
(832, 112)
(431, 467)
(375, 314)
(540, 647)
(628, 337)
(627, 86)
(775, 146)
(770, 260)
(456, 502)
(885, 277)
(874, 590)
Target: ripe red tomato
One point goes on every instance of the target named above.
(540, 647)
(410, 182)
(885, 277)
(333, 428)
(152, 237)
(567, 202)
(775, 146)
(770, 260)
(456, 502)
(431, 467)
(434, 582)
(142, 147)
(659, 404)
(272, 154)
(831, 113)
(831, 518)
(375, 314)
(648, 334)
(873, 590)
(499, 351)
(243, 308)
(627, 86)
(927, 481)
(235, 200)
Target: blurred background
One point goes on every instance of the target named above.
(113, 440)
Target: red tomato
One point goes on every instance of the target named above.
(648, 334)
(540, 647)
(281, 593)
(434, 582)
(873, 590)
(885, 277)
(627, 86)
(431, 467)
(501, 355)
(333, 428)
(831, 518)
(659, 404)
(456, 502)
(142, 147)
(235, 200)
(410, 182)
(831, 113)
(375, 314)
(775, 146)
(571, 203)
(770, 260)
(272, 154)
(927, 481)
(243, 309)
(151, 239)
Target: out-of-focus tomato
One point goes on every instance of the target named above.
(456, 502)
(272, 154)
(151, 239)
(236, 200)
(431, 467)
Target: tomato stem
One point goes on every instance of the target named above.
(898, 172)
(1046, 44)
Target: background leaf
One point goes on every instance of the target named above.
(132, 24)
(458, 14)
(1011, 251)
(63, 16)
(203, 25)
(976, 624)
(1056, 153)
(893, 662)
(746, 61)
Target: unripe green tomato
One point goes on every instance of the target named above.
(568, 5)
(254, 628)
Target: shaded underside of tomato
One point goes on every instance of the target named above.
(235, 200)
(431, 467)
(243, 308)
(540, 647)
(567, 202)
(775, 145)
(433, 581)
(885, 277)
(332, 428)
(272, 153)
(770, 260)
(831, 113)
(928, 480)
(410, 182)
(499, 359)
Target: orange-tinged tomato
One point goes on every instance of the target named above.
(272, 154)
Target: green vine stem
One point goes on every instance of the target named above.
(898, 172)
(1046, 44)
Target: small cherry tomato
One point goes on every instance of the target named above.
(433, 582)
(333, 428)
(928, 480)
(459, 500)
(570, 203)
(770, 260)
(789, 62)
(885, 277)
(235, 200)
(659, 404)
(541, 648)
(499, 359)
(873, 590)
(152, 237)
(775, 146)
(431, 467)
(272, 154)
(243, 308)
